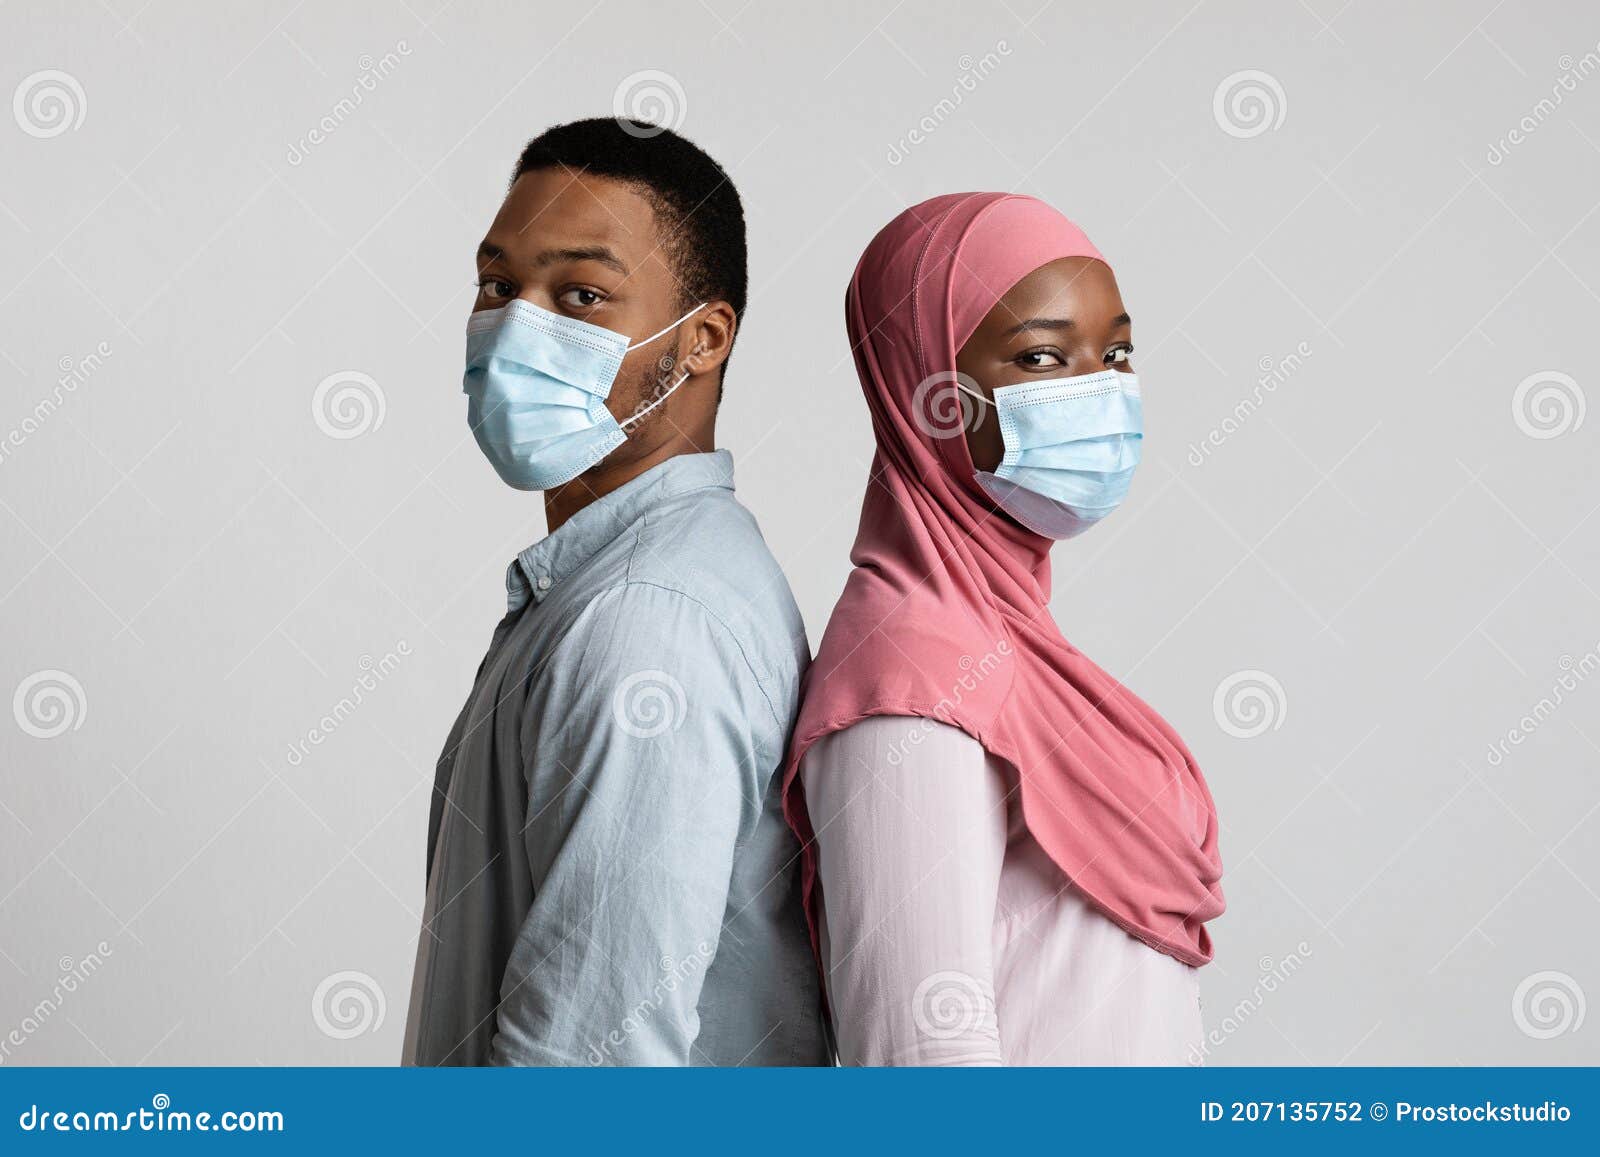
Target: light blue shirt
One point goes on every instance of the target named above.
(610, 878)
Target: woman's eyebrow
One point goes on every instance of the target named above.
(1051, 323)
(1060, 323)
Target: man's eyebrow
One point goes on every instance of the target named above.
(1059, 323)
(600, 253)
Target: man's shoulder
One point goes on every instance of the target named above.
(707, 547)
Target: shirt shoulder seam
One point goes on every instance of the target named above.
(722, 624)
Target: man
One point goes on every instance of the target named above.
(610, 879)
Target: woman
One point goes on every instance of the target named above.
(1010, 859)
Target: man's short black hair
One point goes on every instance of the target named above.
(698, 209)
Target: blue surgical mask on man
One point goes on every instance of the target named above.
(1071, 447)
(537, 384)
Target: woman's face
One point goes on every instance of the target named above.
(1062, 320)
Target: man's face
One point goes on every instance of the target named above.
(588, 248)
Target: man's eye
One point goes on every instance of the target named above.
(581, 298)
(1119, 355)
(494, 289)
(1040, 359)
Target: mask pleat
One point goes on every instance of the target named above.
(1071, 448)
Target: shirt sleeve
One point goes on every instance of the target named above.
(643, 761)
(910, 822)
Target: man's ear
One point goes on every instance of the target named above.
(711, 339)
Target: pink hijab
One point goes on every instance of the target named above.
(946, 614)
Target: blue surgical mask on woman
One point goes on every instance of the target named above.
(1071, 447)
(537, 384)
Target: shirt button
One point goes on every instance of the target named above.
(543, 583)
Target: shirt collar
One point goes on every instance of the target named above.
(539, 569)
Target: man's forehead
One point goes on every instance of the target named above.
(556, 208)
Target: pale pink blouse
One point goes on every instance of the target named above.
(949, 937)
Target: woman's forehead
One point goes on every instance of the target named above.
(1067, 288)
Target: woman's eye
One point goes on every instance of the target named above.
(494, 289)
(581, 298)
(1040, 359)
(1119, 355)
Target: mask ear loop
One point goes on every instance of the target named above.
(641, 413)
(956, 382)
(664, 329)
(634, 417)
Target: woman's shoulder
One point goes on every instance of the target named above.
(891, 742)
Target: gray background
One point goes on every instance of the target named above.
(1396, 547)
